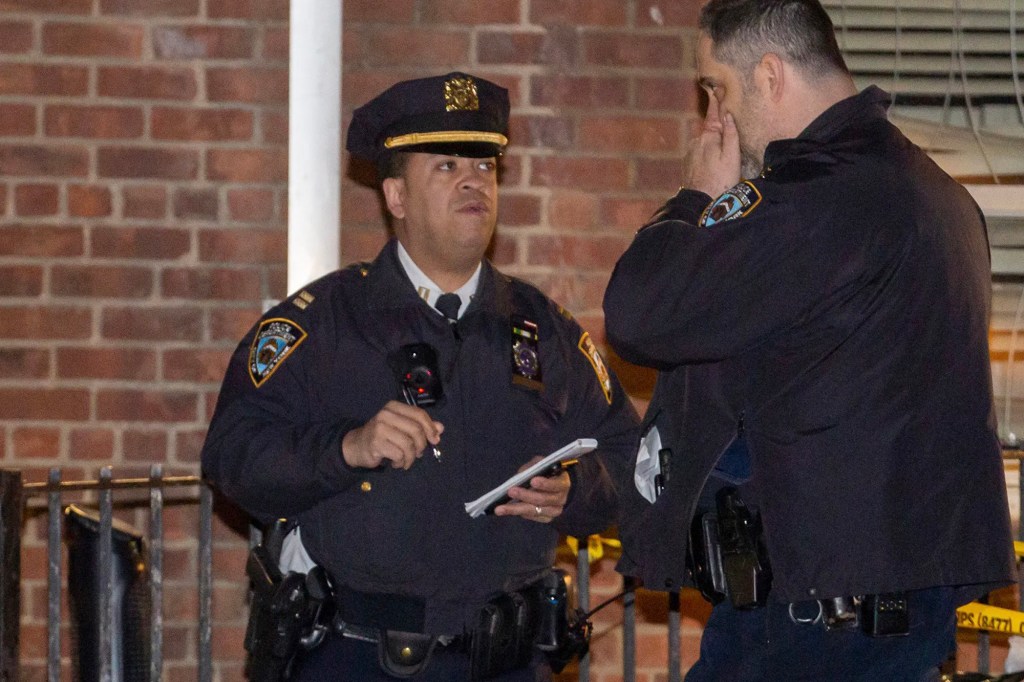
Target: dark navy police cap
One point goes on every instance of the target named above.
(456, 114)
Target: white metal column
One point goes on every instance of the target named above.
(314, 140)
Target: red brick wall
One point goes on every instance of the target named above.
(143, 169)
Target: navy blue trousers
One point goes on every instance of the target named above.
(341, 659)
(765, 645)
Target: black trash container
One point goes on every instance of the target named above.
(129, 627)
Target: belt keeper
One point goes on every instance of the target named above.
(808, 619)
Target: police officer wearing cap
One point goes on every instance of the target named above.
(373, 403)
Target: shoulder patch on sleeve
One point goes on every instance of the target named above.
(734, 203)
(275, 339)
(589, 349)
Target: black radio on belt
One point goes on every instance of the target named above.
(415, 367)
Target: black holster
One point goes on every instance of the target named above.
(727, 556)
(288, 612)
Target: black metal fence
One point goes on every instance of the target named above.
(11, 501)
(14, 499)
(16, 496)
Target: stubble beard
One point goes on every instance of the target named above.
(750, 164)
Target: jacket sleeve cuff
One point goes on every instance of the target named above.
(591, 505)
(333, 468)
(686, 206)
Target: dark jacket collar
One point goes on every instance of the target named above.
(867, 107)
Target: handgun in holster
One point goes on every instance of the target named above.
(287, 611)
(727, 553)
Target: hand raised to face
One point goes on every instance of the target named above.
(713, 164)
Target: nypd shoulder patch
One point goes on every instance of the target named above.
(589, 349)
(734, 203)
(275, 339)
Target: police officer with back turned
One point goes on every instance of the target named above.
(372, 404)
(820, 456)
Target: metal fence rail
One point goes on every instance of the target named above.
(14, 498)
(14, 495)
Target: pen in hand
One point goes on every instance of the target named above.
(558, 467)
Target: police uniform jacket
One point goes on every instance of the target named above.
(274, 444)
(835, 312)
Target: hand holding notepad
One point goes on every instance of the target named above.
(499, 495)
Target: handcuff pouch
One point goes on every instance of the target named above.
(404, 654)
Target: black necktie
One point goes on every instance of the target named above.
(449, 305)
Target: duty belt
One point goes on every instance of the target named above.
(400, 654)
(380, 610)
(371, 635)
(878, 615)
(508, 631)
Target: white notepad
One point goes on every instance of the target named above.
(488, 500)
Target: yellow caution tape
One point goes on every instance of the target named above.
(993, 618)
(595, 546)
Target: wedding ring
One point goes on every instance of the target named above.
(538, 510)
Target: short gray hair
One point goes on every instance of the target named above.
(799, 31)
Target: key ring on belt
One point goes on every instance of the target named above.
(806, 621)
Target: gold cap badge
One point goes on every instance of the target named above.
(460, 94)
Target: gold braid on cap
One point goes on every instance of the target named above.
(443, 136)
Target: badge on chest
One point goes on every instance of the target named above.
(526, 370)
